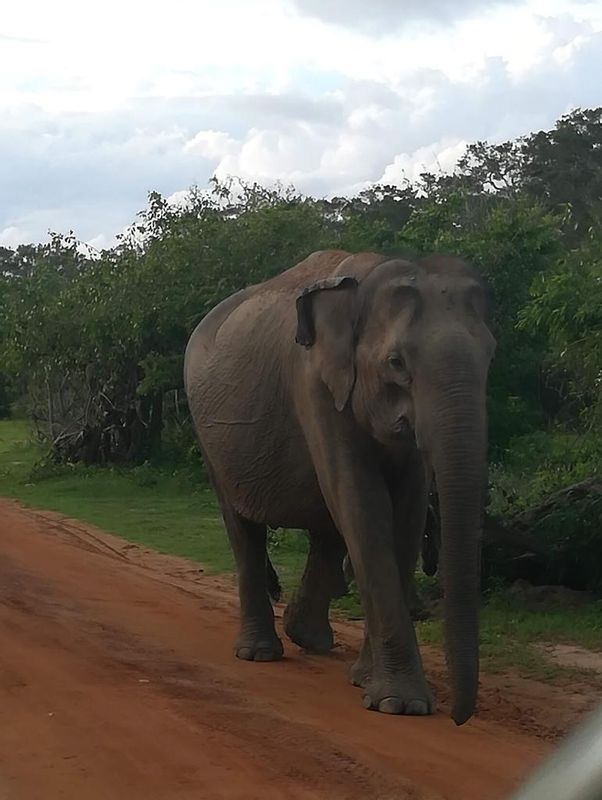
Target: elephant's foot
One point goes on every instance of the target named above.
(398, 694)
(307, 628)
(254, 646)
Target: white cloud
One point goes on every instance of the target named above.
(439, 157)
(565, 53)
(102, 242)
(211, 144)
(12, 236)
(96, 111)
(383, 16)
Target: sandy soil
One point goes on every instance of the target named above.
(568, 655)
(117, 680)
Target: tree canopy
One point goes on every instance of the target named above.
(92, 343)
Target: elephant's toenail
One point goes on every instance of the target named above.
(391, 705)
(417, 708)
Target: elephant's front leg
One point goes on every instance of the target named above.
(360, 503)
(396, 683)
(408, 488)
(409, 498)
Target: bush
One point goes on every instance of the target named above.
(539, 463)
(6, 396)
(572, 532)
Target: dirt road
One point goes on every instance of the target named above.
(117, 681)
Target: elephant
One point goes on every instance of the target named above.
(325, 399)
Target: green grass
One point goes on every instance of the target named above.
(168, 511)
(158, 510)
(510, 634)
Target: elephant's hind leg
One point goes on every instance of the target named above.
(257, 640)
(306, 617)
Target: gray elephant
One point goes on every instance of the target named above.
(323, 400)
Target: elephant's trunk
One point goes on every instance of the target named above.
(457, 443)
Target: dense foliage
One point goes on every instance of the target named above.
(92, 343)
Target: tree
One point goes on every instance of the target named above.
(566, 307)
(563, 167)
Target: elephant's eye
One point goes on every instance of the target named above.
(398, 366)
(397, 363)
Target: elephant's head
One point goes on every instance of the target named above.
(407, 352)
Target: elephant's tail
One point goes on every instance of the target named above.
(274, 588)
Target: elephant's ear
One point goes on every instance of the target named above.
(325, 323)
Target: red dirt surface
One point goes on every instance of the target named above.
(117, 680)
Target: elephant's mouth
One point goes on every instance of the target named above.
(392, 432)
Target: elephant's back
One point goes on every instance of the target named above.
(321, 265)
(317, 266)
(201, 340)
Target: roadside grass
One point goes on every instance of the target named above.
(168, 511)
(512, 636)
(161, 508)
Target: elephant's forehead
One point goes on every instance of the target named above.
(446, 282)
(414, 284)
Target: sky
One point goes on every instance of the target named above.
(101, 103)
